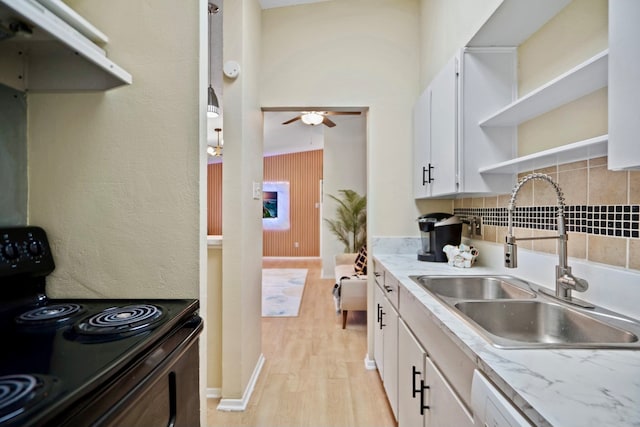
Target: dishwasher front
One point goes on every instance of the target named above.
(491, 408)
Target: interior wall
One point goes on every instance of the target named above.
(345, 155)
(114, 176)
(364, 53)
(241, 212)
(303, 171)
(446, 26)
(214, 319)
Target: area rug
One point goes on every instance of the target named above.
(282, 291)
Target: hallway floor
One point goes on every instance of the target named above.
(314, 371)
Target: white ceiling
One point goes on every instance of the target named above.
(269, 4)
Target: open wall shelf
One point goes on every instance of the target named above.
(581, 80)
(581, 150)
(55, 56)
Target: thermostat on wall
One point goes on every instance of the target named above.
(231, 69)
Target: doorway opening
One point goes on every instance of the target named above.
(328, 157)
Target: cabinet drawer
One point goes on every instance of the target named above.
(379, 273)
(391, 288)
(455, 365)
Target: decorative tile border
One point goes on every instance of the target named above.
(605, 220)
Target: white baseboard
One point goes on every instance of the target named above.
(241, 404)
(214, 393)
(369, 364)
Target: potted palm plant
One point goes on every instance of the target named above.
(350, 223)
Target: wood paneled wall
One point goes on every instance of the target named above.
(214, 199)
(303, 171)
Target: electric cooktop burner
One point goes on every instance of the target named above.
(121, 321)
(56, 313)
(19, 392)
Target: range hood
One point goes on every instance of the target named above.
(41, 52)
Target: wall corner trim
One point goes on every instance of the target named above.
(239, 405)
(369, 364)
(214, 393)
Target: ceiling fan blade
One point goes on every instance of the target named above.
(328, 122)
(343, 113)
(291, 120)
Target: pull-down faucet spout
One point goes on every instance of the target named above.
(565, 280)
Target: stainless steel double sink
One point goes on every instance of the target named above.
(511, 313)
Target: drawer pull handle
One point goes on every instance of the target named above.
(422, 389)
(414, 372)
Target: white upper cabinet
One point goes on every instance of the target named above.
(449, 145)
(444, 132)
(422, 145)
(624, 84)
(41, 52)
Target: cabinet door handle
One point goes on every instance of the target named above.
(426, 174)
(388, 288)
(423, 387)
(382, 313)
(379, 314)
(414, 372)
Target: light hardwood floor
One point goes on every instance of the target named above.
(314, 371)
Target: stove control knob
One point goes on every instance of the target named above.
(35, 248)
(10, 251)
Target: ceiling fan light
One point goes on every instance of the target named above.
(312, 118)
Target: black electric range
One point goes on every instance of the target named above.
(102, 362)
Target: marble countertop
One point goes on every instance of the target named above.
(214, 241)
(561, 388)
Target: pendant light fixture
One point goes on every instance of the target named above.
(217, 150)
(213, 105)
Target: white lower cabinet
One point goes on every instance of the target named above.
(411, 357)
(444, 407)
(425, 397)
(386, 347)
(377, 335)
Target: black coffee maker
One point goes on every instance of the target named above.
(438, 230)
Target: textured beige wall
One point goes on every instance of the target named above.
(214, 317)
(354, 53)
(114, 176)
(446, 26)
(241, 214)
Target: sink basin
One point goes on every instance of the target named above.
(512, 313)
(526, 324)
(475, 287)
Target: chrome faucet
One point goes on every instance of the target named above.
(565, 280)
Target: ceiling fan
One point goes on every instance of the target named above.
(314, 118)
